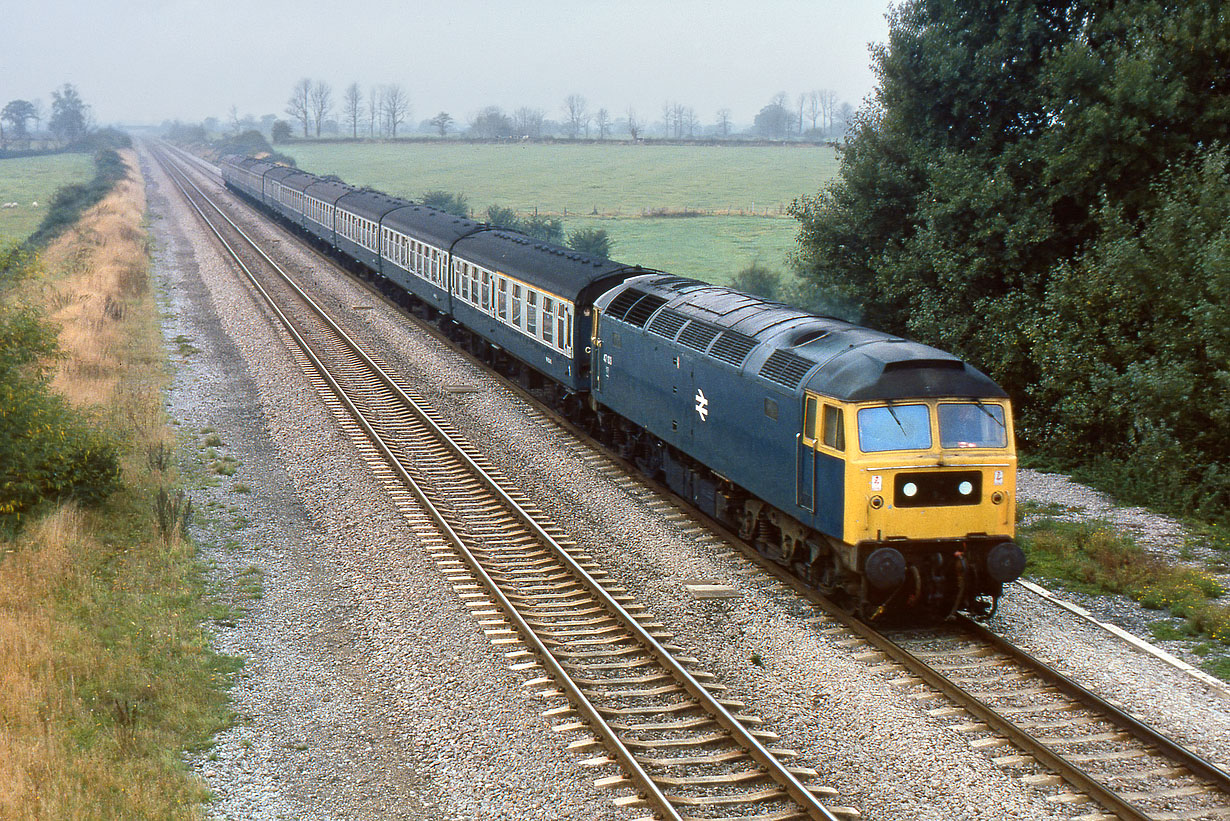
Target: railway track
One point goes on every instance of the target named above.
(1088, 750)
(612, 680)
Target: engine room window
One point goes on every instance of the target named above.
(834, 428)
(895, 427)
(770, 408)
(972, 425)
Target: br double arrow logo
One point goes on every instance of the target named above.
(702, 404)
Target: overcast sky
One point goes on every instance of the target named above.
(144, 61)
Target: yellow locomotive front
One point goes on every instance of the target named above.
(930, 490)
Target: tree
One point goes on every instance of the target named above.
(455, 204)
(634, 124)
(593, 241)
(774, 120)
(758, 279)
(723, 122)
(394, 107)
(441, 122)
(814, 108)
(352, 108)
(69, 114)
(527, 122)
(299, 104)
(491, 123)
(320, 100)
(233, 120)
(17, 113)
(603, 120)
(1005, 146)
(373, 108)
(578, 116)
(280, 132)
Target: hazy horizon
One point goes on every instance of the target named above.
(189, 59)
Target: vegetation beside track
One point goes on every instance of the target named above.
(106, 673)
(1094, 558)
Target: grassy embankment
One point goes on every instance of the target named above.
(27, 180)
(1092, 557)
(106, 671)
(699, 211)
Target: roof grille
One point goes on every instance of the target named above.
(619, 305)
(786, 368)
(668, 323)
(678, 283)
(732, 347)
(698, 334)
(639, 313)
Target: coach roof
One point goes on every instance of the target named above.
(554, 268)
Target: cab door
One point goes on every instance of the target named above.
(805, 444)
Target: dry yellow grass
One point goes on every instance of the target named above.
(105, 669)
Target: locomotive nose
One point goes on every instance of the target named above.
(1005, 562)
(885, 568)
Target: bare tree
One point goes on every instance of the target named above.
(634, 125)
(373, 108)
(813, 108)
(603, 120)
(233, 120)
(394, 107)
(37, 114)
(578, 115)
(690, 122)
(828, 107)
(679, 114)
(723, 122)
(668, 119)
(320, 100)
(352, 107)
(298, 104)
(527, 122)
(802, 105)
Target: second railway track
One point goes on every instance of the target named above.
(681, 749)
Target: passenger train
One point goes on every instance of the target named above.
(880, 470)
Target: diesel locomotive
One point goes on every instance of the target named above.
(880, 470)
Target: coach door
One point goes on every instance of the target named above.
(805, 493)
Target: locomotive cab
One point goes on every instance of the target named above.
(928, 487)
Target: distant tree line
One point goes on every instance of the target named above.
(1043, 189)
(384, 111)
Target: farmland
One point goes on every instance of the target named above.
(26, 180)
(735, 197)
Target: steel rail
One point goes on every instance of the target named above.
(775, 769)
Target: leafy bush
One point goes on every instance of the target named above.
(48, 451)
(759, 280)
(593, 241)
(455, 204)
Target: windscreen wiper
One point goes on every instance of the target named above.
(983, 408)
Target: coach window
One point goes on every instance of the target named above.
(486, 291)
(531, 312)
(561, 323)
(548, 319)
(834, 428)
(516, 305)
(502, 299)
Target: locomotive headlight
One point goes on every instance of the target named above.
(910, 489)
(965, 488)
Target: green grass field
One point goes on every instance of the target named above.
(615, 187)
(27, 180)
